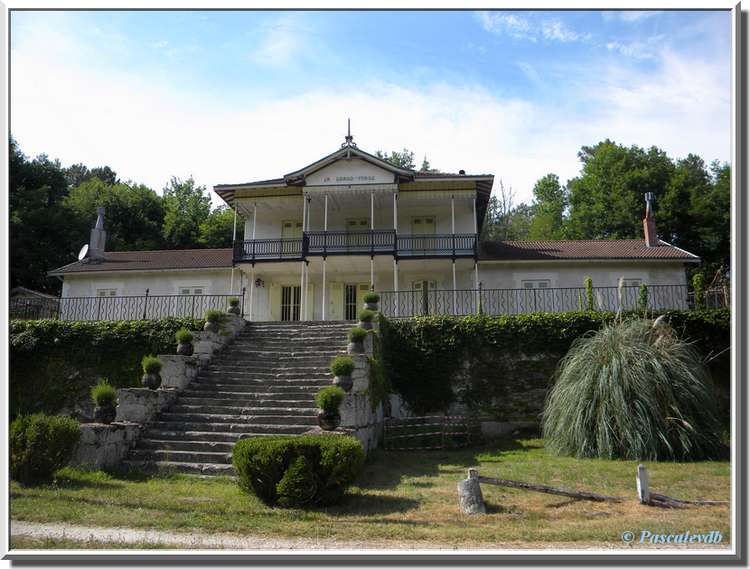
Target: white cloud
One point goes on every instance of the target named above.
(508, 24)
(149, 130)
(556, 30)
(629, 16)
(281, 41)
(160, 44)
(648, 49)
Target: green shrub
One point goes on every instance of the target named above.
(39, 445)
(342, 365)
(588, 285)
(699, 288)
(366, 315)
(357, 335)
(234, 301)
(643, 297)
(214, 316)
(103, 394)
(55, 363)
(329, 398)
(634, 391)
(270, 468)
(371, 297)
(151, 364)
(183, 336)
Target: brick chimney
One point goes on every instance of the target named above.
(649, 224)
(98, 238)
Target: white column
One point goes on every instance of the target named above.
(475, 213)
(302, 290)
(255, 218)
(304, 212)
(325, 214)
(234, 239)
(372, 273)
(453, 215)
(476, 283)
(307, 227)
(395, 212)
(252, 290)
(395, 287)
(372, 210)
(307, 282)
(324, 287)
(454, 286)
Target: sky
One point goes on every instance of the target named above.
(231, 97)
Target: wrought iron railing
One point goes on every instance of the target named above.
(372, 242)
(143, 307)
(520, 301)
(25, 308)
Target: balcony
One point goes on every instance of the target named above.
(372, 242)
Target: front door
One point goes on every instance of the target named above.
(353, 298)
(291, 238)
(290, 298)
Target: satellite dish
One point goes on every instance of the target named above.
(83, 252)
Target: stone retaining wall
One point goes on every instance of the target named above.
(104, 446)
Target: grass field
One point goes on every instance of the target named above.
(401, 496)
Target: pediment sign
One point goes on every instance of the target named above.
(349, 172)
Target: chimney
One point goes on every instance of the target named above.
(649, 224)
(98, 237)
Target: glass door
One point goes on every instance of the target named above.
(290, 298)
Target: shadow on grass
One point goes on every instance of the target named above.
(371, 505)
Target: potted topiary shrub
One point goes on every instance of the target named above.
(234, 306)
(328, 400)
(184, 339)
(365, 319)
(357, 341)
(151, 368)
(105, 401)
(213, 319)
(371, 301)
(342, 368)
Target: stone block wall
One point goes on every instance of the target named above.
(104, 446)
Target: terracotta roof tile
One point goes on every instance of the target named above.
(603, 249)
(153, 260)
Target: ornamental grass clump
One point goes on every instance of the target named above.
(632, 390)
(366, 315)
(357, 335)
(329, 398)
(371, 298)
(342, 365)
(183, 336)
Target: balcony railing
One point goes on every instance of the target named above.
(520, 301)
(372, 242)
(143, 307)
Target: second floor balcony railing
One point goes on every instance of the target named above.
(371, 242)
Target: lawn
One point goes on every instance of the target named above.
(402, 496)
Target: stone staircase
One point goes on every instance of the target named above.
(262, 384)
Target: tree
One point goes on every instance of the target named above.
(217, 229)
(186, 206)
(79, 173)
(504, 221)
(403, 159)
(550, 201)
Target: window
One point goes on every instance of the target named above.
(536, 283)
(423, 225)
(191, 290)
(291, 229)
(360, 224)
(631, 282)
(103, 292)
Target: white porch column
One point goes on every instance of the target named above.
(475, 213)
(252, 290)
(372, 273)
(307, 281)
(307, 227)
(454, 286)
(453, 215)
(304, 212)
(324, 287)
(234, 240)
(395, 212)
(325, 214)
(302, 291)
(395, 287)
(255, 218)
(372, 210)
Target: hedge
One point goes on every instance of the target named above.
(39, 445)
(422, 356)
(54, 363)
(298, 471)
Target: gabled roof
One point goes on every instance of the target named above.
(585, 249)
(152, 261)
(23, 291)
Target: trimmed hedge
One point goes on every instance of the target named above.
(54, 363)
(39, 445)
(422, 356)
(298, 471)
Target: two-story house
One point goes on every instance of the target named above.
(316, 239)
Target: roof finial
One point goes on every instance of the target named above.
(349, 138)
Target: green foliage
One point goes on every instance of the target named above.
(423, 357)
(357, 335)
(103, 394)
(217, 229)
(632, 391)
(151, 364)
(588, 285)
(186, 207)
(39, 445)
(505, 220)
(342, 365)
(234, 301)
(183, 336)
(403, 159)
(371, 297)
(270, 468)
(378, 387)
(699, 289)
(214, 316)
(550, 201)
(329, 398)
(643, 297)
(54, 363)
(366, 315)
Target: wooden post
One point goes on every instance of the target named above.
(641, 482)
(470, 498)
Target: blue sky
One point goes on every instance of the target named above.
(238, 96)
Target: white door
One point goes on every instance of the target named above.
(336, 301)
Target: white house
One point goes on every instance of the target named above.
(317, 238)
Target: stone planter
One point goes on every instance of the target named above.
(345, 382)
(329, 420)
(211, 327)
(365, 325)
(105, 414)
(234, 310)
(371, 306)
(355, 348)
(185, 349)
(151, 380)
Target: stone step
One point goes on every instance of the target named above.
(280, 419)
(246, 402)
(229, 379)
(163, 427)
(217, 436)
(259, 387)
(276, 354)
(292, 372)
(237, 410)
(210, 469)
(186, 445)
(158, 455)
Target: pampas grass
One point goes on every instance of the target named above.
(632, 390)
